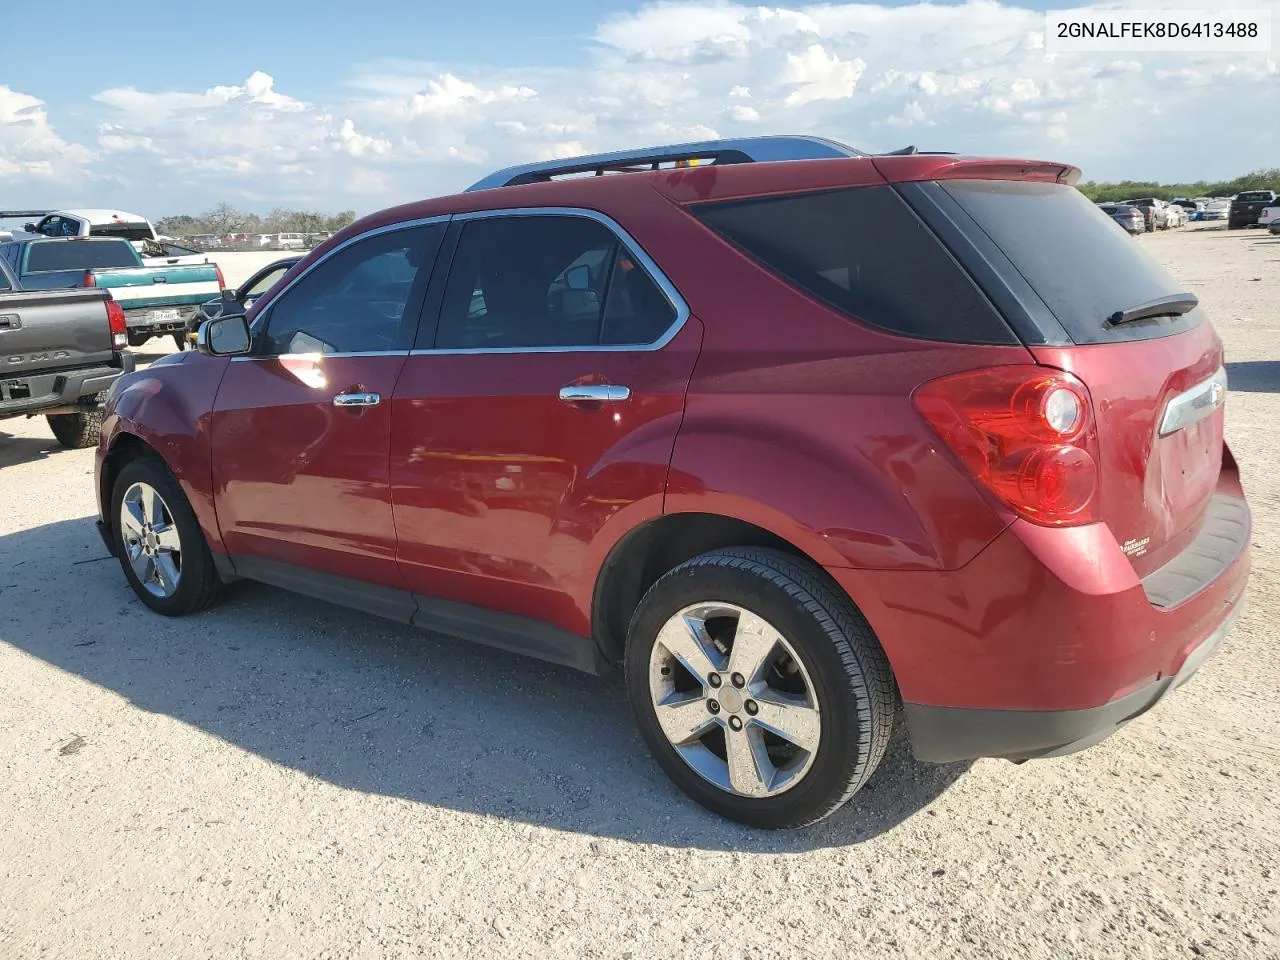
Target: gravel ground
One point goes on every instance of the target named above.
(281, 778)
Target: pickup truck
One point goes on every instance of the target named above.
(60, 352)
(156, 251)
(157, 301)
(1247, 207)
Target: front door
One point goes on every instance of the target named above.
(546, 404)
(302, 426)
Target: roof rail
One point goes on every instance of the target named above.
(745, 150)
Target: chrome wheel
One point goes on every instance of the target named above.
(150, 540)
(734, 700)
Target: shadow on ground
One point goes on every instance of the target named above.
(373, 706)
(17, 450)
(1254, 376)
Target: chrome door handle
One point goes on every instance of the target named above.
(357, 400)
(583, 393)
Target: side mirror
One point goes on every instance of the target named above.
(224, 336)
(578, 278)
(29, 227)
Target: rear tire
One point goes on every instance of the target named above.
(826, 651)
(180, 339)
(79, 430)
(169, 528)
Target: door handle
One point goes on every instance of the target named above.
(357, 400)
(594, 393)
(10, 321)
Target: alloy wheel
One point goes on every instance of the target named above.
(150, 539)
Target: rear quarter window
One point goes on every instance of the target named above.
(864, 252)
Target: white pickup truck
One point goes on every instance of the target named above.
(156, 251)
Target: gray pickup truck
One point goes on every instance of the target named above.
(60, 352)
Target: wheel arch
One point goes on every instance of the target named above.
(656, 546)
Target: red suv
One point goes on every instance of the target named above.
(808, 441)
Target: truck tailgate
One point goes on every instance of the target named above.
(143, 288)
(49, 330)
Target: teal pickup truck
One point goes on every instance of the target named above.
(157, 300)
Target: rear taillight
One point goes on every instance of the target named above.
(89, 279)
(119, 327)
(1026, 433)
(222, 284)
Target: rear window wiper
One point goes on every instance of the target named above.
(1174, 305)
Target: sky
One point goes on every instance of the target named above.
(334, 105)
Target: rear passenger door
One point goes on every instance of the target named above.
(542, 401)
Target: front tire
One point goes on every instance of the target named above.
(759, 687)
(159, 543)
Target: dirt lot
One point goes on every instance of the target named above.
(280, 778)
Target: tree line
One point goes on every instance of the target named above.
(224, 219)
(1268, 179)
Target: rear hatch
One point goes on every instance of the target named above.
(1088, 300)
(44, 331)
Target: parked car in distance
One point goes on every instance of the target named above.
(245, 295)
(207, 241)
(281, 241)
(589, 418)
(1130, 218)
(1274, 227)
(1175, 215)
(156, 300)
(1247, 206)
(1216, 209)
(60, 352)
(1159, 219)
(155, 250)
(1270, 214)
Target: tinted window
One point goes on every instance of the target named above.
(47, 255)
(362, 299)
(547, 281)
(1081, 267)
(58, 227)
(864, 252)
(4, 280)
(1254, 195)
(125, 231)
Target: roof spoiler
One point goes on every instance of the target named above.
(744, 150)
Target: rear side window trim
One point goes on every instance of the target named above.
(986, 264)
(429, 326)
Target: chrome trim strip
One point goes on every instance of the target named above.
(666, 286)
(758, 149)
(1192, 406)
(327, 356)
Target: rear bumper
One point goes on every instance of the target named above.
(947, 734)
(141, 321)
(44, 391)
(1047, 640)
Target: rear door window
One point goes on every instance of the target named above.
(52, 255)
(864, 252)
(1076, 262)
(547, 281)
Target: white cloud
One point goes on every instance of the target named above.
(971, 77)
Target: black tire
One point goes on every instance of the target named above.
(849, 672)
(180, 339)
(199, 585)
(79, 430)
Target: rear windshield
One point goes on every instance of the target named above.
(51, 255)
(1072, 255)
(125, 231)
(1255, 195)
(864, 252)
